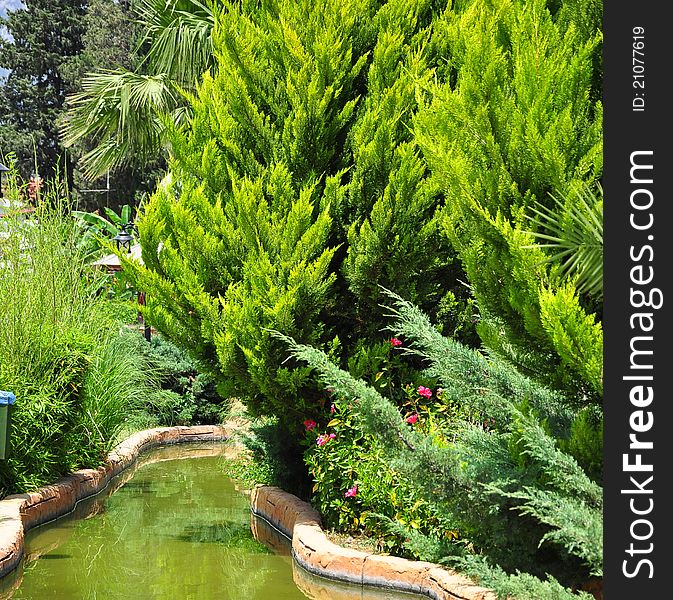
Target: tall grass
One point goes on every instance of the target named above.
(76, 375)
(121, 381)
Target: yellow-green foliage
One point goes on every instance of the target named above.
(295, 192)
(260, 261)
(301, 184)
(513, 119)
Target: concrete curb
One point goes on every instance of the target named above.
(21, 512)
(313, 551)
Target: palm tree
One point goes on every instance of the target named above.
(123, 112)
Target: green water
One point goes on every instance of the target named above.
(175, 528)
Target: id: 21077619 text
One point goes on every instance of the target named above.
(638, 70)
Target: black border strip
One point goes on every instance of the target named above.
(637, 325)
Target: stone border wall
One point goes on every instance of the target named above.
(21, 512)
(313, 551)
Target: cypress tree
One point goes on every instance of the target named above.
(296, 190)
(513, 120)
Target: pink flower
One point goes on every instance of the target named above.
(423, 391)
(321, 440)
(352, 492)
(310, 424)
(411, 419)
(395, 342)
(332, 408)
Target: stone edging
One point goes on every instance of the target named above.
(313, 551)
(21, 512)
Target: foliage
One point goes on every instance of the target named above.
(515, 116)
(118, 112)
(191, 397)
(119, 382)
(95, 228)
(342, 457)
(575, 226)
(111, 34)
(33, 94)
(178, 37)
(271, 458)
(293, 193)
(76, 376)
(121, 109)
(505, 485)
(521, 586)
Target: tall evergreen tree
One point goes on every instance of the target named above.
(296, 191)
(44, 35)
(515, 119)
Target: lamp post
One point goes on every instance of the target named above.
(123, 239)
(3, 169)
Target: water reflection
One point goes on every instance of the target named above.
(171, 527)
(313, 587)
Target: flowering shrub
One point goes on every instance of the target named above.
(382, 366)
(356, 489)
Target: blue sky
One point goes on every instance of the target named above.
(6, 5)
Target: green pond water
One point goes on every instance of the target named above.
(172, 527)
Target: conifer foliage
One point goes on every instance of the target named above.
(510, 489)
(513, 121)
(296, 191)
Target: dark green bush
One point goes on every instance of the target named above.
(191, 396)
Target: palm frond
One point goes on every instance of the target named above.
(572, 232)
(121, 111)
(179, 35)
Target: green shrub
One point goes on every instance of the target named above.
(504, 485)
(191, 396)
(275, 459)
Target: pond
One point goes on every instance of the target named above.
(172, 527)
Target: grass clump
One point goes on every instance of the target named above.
(77, 373)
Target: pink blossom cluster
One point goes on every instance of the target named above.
(351, 492)
(322, 439)
(423, 391)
